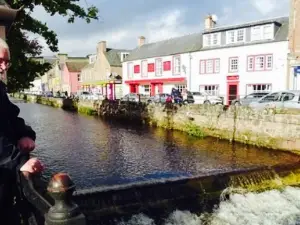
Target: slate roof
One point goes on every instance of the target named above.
(113, 56)
(187, 43)
(76, 66)
(277, 20)
(193, 42)
(280, 35)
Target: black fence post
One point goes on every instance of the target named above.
(64, 211)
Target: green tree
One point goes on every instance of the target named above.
(24, 69)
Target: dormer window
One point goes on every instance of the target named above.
(212, 39)
(124, 56)
(263, 32)
(235, 36)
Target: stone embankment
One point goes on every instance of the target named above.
(269, 128)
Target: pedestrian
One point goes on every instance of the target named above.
(13, 133)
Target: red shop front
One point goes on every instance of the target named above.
(156, 84)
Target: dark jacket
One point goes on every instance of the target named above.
(12, 126)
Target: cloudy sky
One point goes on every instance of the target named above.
(123, 21)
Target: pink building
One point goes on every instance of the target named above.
(71, 75)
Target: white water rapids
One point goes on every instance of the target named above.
(267, 208)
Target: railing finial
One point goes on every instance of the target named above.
(64, 211)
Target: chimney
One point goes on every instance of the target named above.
(101, 46)
(62, 57)
(141, 41)
(209, 22)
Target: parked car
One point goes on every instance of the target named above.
(279, 99)
(159, 98)
(249, 98)
(134, 97)
(197, 97)
(96, 96)
(85, 95)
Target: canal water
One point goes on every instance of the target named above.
(100, 153)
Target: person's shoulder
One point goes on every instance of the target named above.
(2, 86)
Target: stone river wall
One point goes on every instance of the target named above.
(269, 128)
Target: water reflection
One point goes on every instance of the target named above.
(96, 152)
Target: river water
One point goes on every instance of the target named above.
(100, 153)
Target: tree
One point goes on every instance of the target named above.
(24, 69)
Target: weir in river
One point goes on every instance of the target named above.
(101, 155)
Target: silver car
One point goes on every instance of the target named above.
(134, 97)
(279, 99)
(159, 98)
(253, 97)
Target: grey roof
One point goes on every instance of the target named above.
(280, 35)
(51, 61)
(187, 43)
(193, 42)
(277, 20)
(113, 56)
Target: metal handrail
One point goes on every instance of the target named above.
(56, 207)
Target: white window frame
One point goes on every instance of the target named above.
(250, 63)
(267, 63)
(202, 69)
(209, 67)
(217, 65)
(211, 89)
(204, 66)
(212, 39)
(256, 33)
(180, 87)
(144, 68)
(130, 70)
(261, 34)
(231, 69)
(259, 63)
(145, 87)
(158, 67)
(255, 88)
(232, 36)
(177, 65)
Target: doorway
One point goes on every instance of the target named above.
(232, 91)
(133, 88)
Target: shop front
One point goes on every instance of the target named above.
(110, 88)
(155, 86)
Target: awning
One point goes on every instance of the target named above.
(102, 82)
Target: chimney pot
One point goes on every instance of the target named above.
(209, 22)
(101, 46)
(141, 41)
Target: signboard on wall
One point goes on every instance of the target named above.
(235, 77)
(296, 70)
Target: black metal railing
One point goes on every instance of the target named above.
(52, 204)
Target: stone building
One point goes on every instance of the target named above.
(103, 74)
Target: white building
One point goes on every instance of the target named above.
(237, 60)
(36, 87)
(230, 61)
(158, 67)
